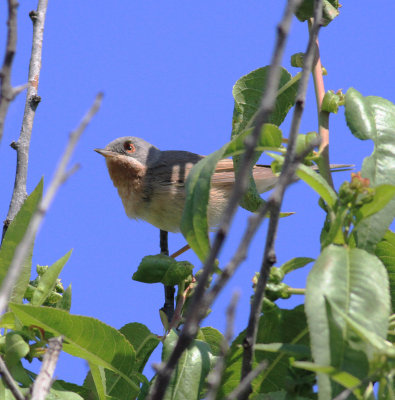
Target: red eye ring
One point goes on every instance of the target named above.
(129, 147)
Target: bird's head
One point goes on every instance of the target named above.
(130, 146)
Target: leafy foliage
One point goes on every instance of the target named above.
(342, 337)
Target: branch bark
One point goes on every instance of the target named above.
(195, 313)
(43, 382)
(60, 176)
(276, 198)
(7, 92)
(32, 99)
(9, 380)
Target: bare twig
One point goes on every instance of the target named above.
(243, 387)
(7, 92)
(9, 380)
(195, 313)
(215, 376)
(343, 395)
(32, 99)
(43, 382)
(59, 177)
(276, 198)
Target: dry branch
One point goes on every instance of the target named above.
(43, 382)
(32, 99)
(7, 92)
(195, 309)
(9, 380)
(275, 200)
(60, 176)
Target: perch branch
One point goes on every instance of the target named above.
(7, 92)
(276, 198)
(42, 384)
(195, 314)
(60, 175)
(9, 380)
(32, 99)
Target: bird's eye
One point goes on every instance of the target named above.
(128, 147)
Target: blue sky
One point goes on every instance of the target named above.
(167, 71)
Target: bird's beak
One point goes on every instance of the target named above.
(106, 153)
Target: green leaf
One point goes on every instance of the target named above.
(291, 349)
(359, 116)
(385, 251)
(65, 302)
(248, 92)
(212, 337)
(380, 345)
(329, 11)
(54, 394)
(275, 326)
(191, 370)
(48, 280)
(357, 283)
(99, 379)
(67, 387)
(15, 348)
(163, 269)
(384, 194)
(194, 224)
(280, 395)
(343, 378)
(295, 263)
(313, 179)
(374, 118)
(7, 321)
(85, 337)
(143, 341)
(14, 235)
(317, 183)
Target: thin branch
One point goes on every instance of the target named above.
(276, 198)
(37, 218)
(215, 376)
(32, 99)
(9, 380)
(323, 116)
(243, 386)
(43, 382)
(194, 314)
(7, 93)
(343, 395)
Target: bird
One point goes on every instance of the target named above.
(151, 182)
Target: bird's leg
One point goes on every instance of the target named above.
(168, 307)
(181, 251)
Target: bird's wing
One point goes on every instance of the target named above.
(263, 175)
(173, 167)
